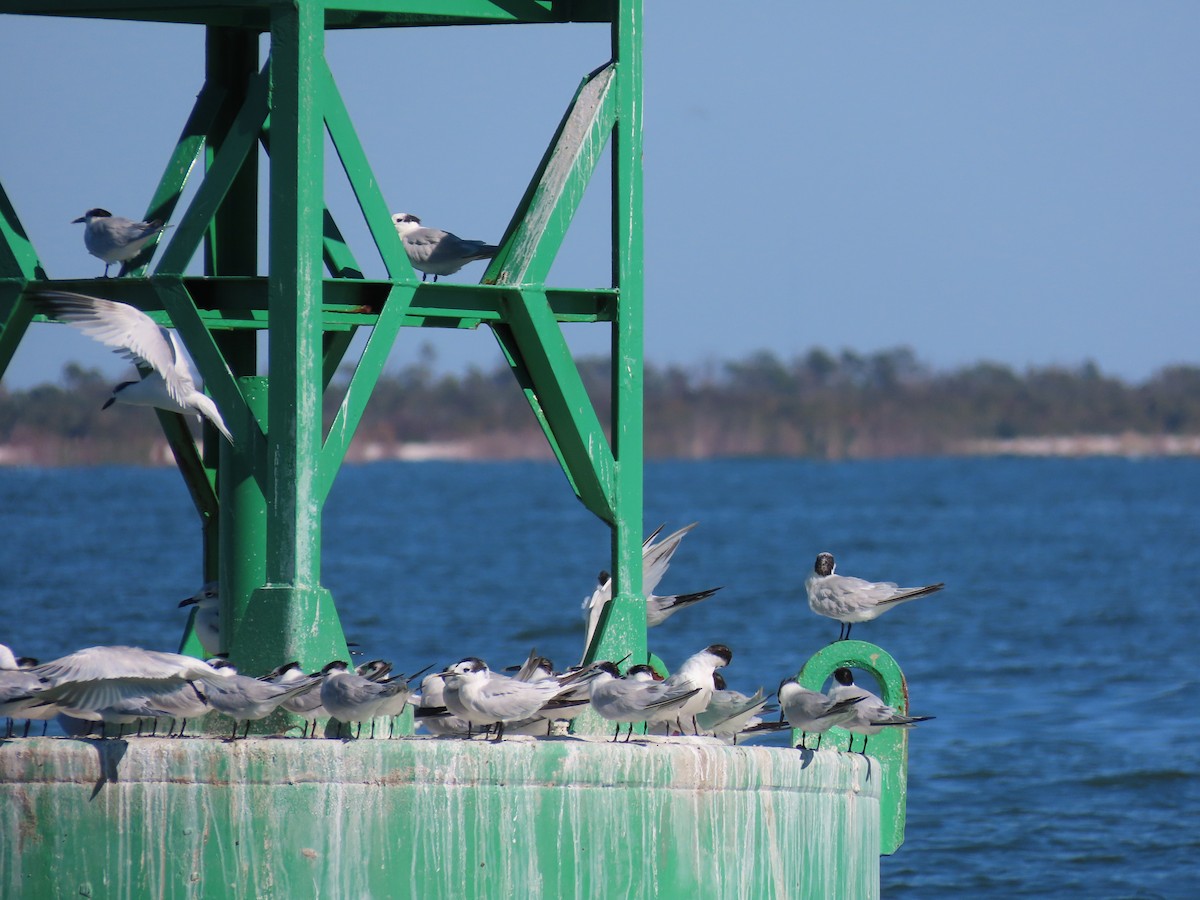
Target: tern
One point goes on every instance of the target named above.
(19, 689)
(135, 336)
(307, 705)
(114, 238)
(474, 693)
(729, 712)
(850, 599)
(656, 559)
(870, 714)
(811, 712)
(353, 699)
(435, 252)
(245, 699)
(96, 683)
(432, 712)
(697, 672)
(207, 624)
(626, 700)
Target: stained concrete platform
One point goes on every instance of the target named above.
(433, 818)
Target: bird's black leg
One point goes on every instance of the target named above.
(499, 731)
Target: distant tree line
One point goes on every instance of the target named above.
(818, 404)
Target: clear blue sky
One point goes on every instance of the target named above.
(1016, 181)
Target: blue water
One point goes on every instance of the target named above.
(1060, 660)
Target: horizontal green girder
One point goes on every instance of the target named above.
(255, 14)
(348, 303)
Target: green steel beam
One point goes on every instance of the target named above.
(18, 264)
(191, 143)
(338, 258)
(540, 223)
(512, 355)
(240, 303)
(363, 182)
(622, 628)
(255, 14)
(362, 382)
(291, 616)
(564, 400)
(224, 169)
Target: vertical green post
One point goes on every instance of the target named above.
(624, 628)
(292, 616)
(231, 62)
(243, 532)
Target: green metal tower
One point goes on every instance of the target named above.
(420, 817)
(261, 497)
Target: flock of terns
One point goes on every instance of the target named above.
(131, 686)
(148, 689)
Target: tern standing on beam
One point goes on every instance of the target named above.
(114, 238)
(849, 599)
(435, 252)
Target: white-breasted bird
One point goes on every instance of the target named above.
(306, 705)
(474, 693)
(697, 672)
(134, 335)
(19, 689)
(207, 624)
(656, 559)
(245, 699)
(870, 714)
(353, 698)
(849, 599)
(429, 713)
(435, 252)
(114, 238)
(626, 700)
(730, 712)
(812, 712)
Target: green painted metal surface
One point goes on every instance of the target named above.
(429, 818)
(297, 818)
(282, 464)
(889, 748)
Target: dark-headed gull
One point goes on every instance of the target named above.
(849, 599)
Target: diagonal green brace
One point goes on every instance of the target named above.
(540, 222)
(362, 383)
(565, 402)
(512, 355)
(242, 138)
(18, 264)
(179, 167)
(363, 182)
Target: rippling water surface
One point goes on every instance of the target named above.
(1060, 660)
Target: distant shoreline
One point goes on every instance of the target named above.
(1129, 445)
